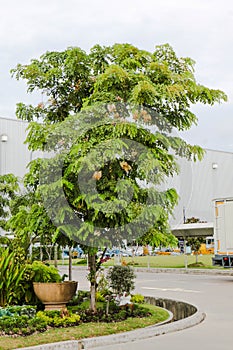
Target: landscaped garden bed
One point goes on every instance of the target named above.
(24, 326)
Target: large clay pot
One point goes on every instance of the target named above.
(55, 295)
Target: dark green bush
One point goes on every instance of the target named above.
(121, 279)
(79, 298)
(7, 323)
(28, 310)
(115, 313)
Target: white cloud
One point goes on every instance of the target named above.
(199, 29)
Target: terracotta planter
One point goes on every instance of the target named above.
(55, 295)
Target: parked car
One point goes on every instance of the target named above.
(122, 252)
(77, 252)
(109, 253)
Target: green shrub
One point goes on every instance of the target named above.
(121, 278)
(38, 324)
(36, 272)
(103, 285)
(54, 318)
(132, 263)
(28, 310)
(7, 323)
(44, 273)
(139, 311)
(81, 262)
(137, 298)
(43, 317)
(21, 325)
(115, 313)
(5, 312)
(79, 298)
(99, 297)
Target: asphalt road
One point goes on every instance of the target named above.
(211, 294)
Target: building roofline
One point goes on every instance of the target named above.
(25, 122)
(217, 150)
(14, 120)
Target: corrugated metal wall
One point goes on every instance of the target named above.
(14, 154)
(197, 184)
(201, 182)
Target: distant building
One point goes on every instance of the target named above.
(14, 154)
(197, 183)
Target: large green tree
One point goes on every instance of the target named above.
(109, 118)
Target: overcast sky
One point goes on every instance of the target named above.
(200, 29)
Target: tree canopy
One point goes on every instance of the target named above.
(97, 102)
(110, 119)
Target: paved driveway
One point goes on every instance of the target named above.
(211, 294)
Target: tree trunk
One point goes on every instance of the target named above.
(93, 282)
(55, 255)
(41, 254)
(70, 264)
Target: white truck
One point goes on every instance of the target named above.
(223, 232)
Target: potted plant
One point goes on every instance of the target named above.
(50, 288)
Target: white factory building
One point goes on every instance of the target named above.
(197, 183)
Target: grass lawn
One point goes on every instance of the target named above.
(85, 330)
(158, 261)
(171, 261)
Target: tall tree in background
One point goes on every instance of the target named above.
(118, 98)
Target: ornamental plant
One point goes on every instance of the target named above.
(41, 272)
(137, 298)
(11, 278)
(121, 279)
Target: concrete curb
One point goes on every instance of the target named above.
(228, 272)
(142, 333)
(192, 271)
(126, 337)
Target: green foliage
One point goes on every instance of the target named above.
(30, 222)
(17, 277)
(115, 313)
(192, 220)
(121, 279)
(26, 321)
(99, 296)
(102, 283)
(37, 272)
(8, 189)
(160, 87)
(55, 319)
(21, 325)
(16, 310)
(79, 297)
(11, 278)
(195, 243)
(41, 272)
(137, 298)
(81, 262)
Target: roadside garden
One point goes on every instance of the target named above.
(105, 126)
(23, 318)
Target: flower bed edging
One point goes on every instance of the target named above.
(185, 315)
